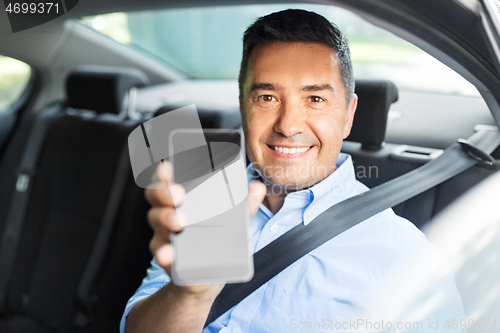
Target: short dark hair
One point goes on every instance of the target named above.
(297, 25)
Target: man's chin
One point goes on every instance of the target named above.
(284, 186)
(284, 182)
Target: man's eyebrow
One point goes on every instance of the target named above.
(264, 86)
(317, 87)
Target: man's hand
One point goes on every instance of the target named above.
(164, 219)
(174, 308)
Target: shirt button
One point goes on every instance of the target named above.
(273, 228)
(309, 215)
(236, 330)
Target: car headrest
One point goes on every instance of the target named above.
(370, 120)
(210, 118)
(102, 89)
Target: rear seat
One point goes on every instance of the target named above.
(377, 162)
(74, 177)
(75, 173)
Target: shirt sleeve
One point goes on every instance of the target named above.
(155, 279)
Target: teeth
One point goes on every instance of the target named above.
(285, 150)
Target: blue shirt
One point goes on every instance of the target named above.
(352, 276)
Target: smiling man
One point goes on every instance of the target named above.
(296, 111)
(297, 104)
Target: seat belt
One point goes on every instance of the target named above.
(300, 240)
(19, 202)
(99, 247)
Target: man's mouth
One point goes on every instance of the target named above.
(290, 150)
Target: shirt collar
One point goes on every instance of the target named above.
(314, 200)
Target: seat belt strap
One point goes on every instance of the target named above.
(300, 240)
(100, 245)
(19, 202)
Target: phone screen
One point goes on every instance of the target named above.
(214, 245)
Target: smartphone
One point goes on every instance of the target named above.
(214, 245)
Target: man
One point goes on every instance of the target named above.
(297, 104)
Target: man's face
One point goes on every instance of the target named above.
(294, 112)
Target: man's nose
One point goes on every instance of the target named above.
(291, 120)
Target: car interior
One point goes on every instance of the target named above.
(79, 244)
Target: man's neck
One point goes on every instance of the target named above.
(273, 202)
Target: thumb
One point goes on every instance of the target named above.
(256, 193)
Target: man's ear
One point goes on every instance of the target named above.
(351, 109)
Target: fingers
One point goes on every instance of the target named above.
(171, 196)
(256, 194)
(162, 217)
(164, 220)
(155, 243)
(165, 256)
(164, 172)
(163, 192)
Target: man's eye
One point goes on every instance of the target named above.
(267, 98)
(316, 99)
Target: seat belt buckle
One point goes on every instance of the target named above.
(476, 153)
(23, 181)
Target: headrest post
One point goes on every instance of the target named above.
(132, 99)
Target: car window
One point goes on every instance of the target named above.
(199, 42)
(14, 78)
